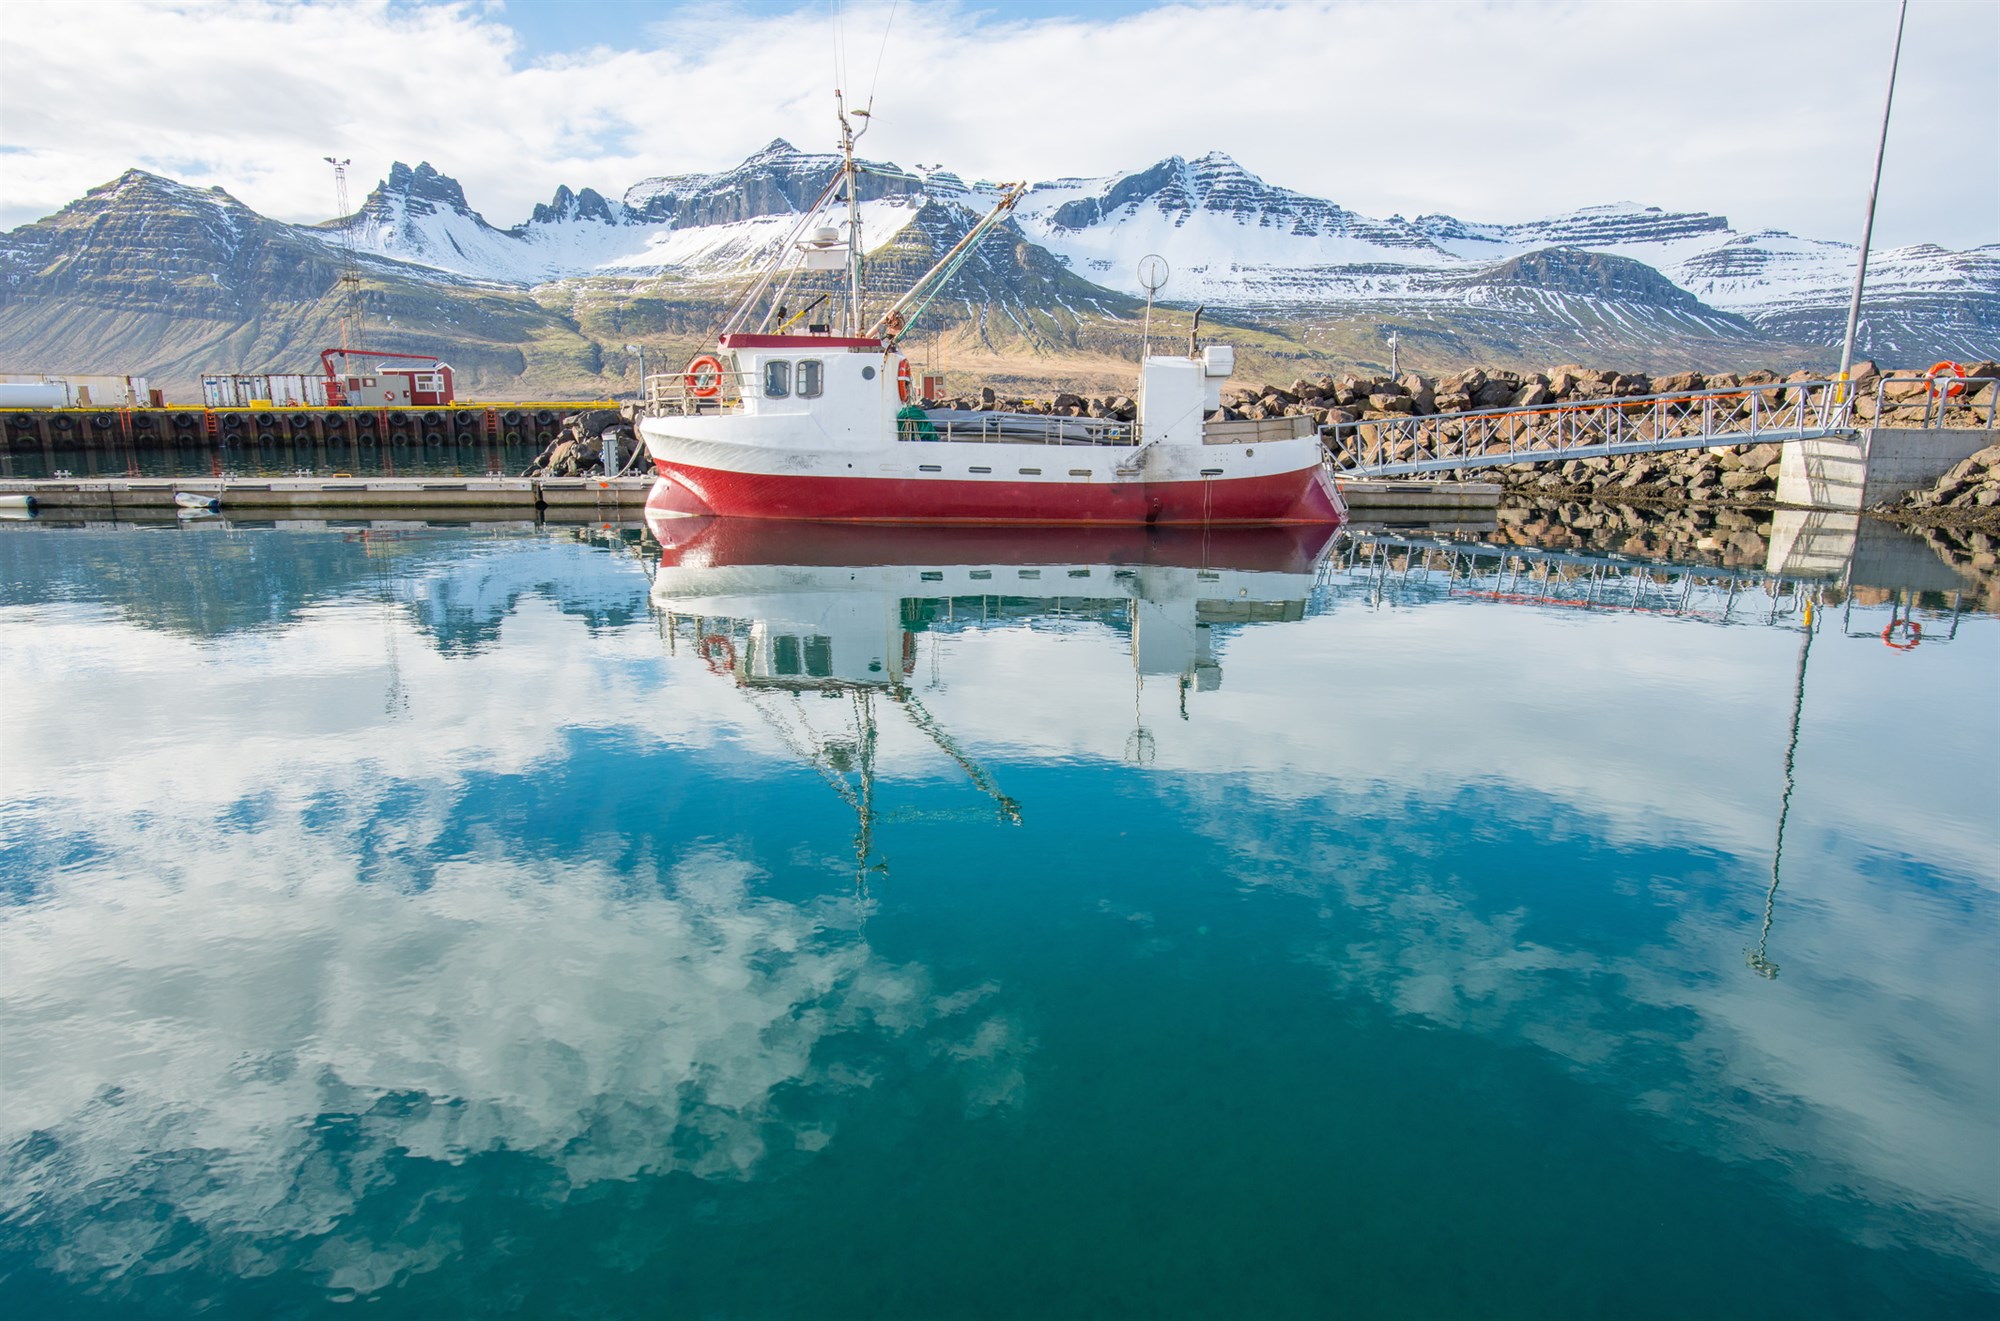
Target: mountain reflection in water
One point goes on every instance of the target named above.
(465, 919)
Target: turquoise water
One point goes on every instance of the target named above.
(548, 923)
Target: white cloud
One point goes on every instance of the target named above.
(1764, 112)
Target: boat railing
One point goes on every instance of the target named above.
(999, 428)
(669, 394)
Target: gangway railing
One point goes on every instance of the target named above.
(1380, 570)
(1412, 444)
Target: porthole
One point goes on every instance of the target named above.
(982, 470)
(1031, 472)
(867, 373)
(929, 467)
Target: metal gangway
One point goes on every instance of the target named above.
(1376, 570)
(1779, 412)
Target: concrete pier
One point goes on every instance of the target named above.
(1381, 498)
(1873, 466)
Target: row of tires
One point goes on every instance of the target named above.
(298, 423)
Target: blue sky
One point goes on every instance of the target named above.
(1488, 111)
(563, 25)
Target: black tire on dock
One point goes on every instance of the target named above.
(103, 421)
(511, 417)
(183, 421)
(142, 422)
(433, 418)
(512, 438)
(335, 424)
(301, 422)
(62, 422)
(547, 418)
(232, 421)
(399, 438)
(433, 440)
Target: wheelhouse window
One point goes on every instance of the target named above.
(777, 379)
(812, 378)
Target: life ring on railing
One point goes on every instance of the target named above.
(718, 647)
(1945, 368)
(1911, 626)
(903, 380)
(704, 376)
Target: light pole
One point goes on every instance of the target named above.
(640, 349)
(1394, 371)
(1868, 224)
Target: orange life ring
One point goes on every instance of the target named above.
(718, 647)
(704, 376)
(903, 380)
(1916, 632)
(1947, 367)
(388, 396)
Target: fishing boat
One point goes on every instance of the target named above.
(820, 422)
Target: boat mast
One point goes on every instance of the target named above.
(848, 137)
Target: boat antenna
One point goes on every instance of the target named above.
(852, 177)
(1153, 272)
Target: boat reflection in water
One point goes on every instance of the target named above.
(786, 609)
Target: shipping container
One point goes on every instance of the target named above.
(90, 391)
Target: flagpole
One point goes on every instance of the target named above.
(1868, 224)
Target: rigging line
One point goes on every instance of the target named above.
(877, 76)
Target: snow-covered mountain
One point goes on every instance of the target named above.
(1233, 241)
(145, 274)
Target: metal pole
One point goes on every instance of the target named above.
(1868, 224)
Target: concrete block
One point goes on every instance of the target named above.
(1874, 467)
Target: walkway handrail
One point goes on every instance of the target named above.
(1775, 411)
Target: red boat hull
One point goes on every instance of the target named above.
(720, 542)
(1303, 496)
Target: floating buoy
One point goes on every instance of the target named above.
(196, 501)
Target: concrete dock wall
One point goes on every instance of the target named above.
(524, 495)
(1873, 467)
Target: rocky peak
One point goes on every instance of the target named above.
(567, 206)
(778, 180)
(417, 192)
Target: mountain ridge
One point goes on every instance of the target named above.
(569, 283)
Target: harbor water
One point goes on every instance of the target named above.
(795, 922)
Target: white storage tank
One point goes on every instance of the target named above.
(33, 396)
